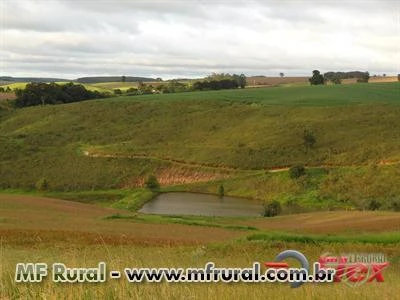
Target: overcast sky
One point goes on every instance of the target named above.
(70, 39)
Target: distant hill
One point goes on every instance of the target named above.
(95, 79)
(100, 79)
(31, 79)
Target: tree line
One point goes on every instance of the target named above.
(52, 93)
(212, 82)
(337, 77)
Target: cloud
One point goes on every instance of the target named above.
(195, 38)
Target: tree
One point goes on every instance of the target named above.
(308, 139)
(242, 81)
(398, 77)
(271, 208)
(297, 171)
(152, 183)
(364, 77)
(123, 78)
(336, 80)
(221, 191)
(281, 74)
(374, 205)
(117, 92)
(316, 78)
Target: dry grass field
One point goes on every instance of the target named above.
(37, 229)
(48, 219)
(265, 81)
(275, 81)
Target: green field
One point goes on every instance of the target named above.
(194, 141)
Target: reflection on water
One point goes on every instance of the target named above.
(201, 204)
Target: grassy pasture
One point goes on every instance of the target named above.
(251, 131)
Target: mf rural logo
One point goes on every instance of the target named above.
(354, 269)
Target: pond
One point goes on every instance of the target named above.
(201, 204)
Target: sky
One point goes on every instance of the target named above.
(188, 39)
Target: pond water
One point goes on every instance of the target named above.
(201, 204)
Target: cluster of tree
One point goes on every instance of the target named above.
(212, 82)
(220, 81)
(51, 93)
(337, 77)
(363, 78)
(5, 89)
(172, 86)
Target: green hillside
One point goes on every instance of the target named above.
(206, 137)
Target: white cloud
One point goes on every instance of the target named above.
(194, 38)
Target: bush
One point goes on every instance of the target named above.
(272, 208)
(395, 205)
(221, 191)
(152, 183)
(308, 139)
(42, 185)
(297, 171)
(374, 205)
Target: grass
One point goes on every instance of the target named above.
(231, 254)
(185, 220)
(81, 235)
(98, 153)
(380, 238)
(127, 138)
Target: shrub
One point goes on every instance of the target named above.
(395, 205)
(374, 205)
(221, 191)
(272, 208)
(152, 183)
(297, 171)
(308, 139)
(42, 184)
